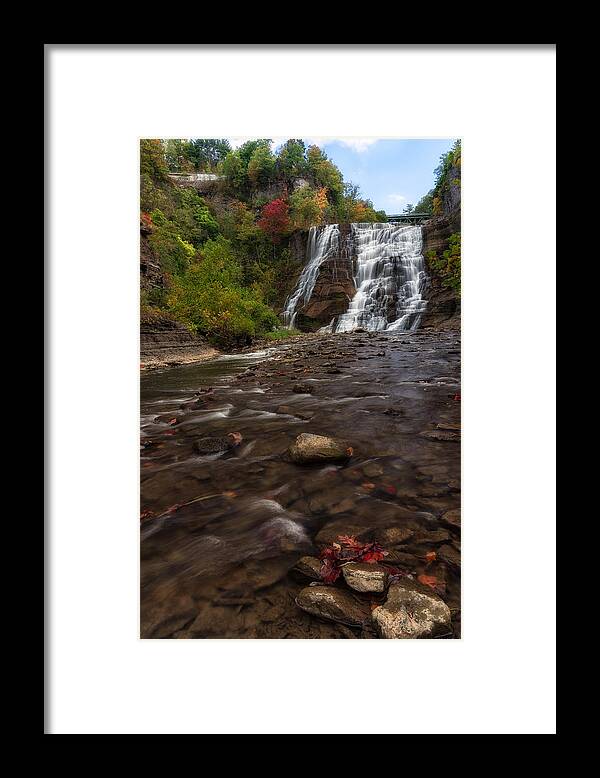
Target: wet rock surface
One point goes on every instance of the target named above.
(327, 602)
(410, 611)
(223, 534)
(311, 449)
(365, 577)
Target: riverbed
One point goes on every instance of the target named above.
(221, 533)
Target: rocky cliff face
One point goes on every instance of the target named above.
(443, 304)
(151, 275)
(165, 342)
(334, 287)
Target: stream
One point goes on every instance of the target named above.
(221, 533)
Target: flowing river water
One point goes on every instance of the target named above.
(220, 534)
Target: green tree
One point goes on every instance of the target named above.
(324, 172)
(234, 170)
(206, 153)
(177, 156)
(425, 204)
(291, 160)
(152, 160)
(261, 165)
(247, 149)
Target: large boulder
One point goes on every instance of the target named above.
(310, 449)
(327, 602)
(364, 577)
(410, 611)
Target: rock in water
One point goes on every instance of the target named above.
(334, 604)
(364, 577)
(449, 555)
(452, 517)
(217, 445)
(309, 448)
(411, 612)
(309, 566)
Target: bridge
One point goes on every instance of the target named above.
(409, 218)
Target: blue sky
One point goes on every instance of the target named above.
(389, 172)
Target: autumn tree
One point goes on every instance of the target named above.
(324, 172)
(308, 206)
(275, 221)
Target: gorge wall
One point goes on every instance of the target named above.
(443, 303)
(334, 286)
(163, 341)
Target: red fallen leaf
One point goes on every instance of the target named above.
(430, 556)
(351, 541)
(173, 421)
(373, 556)
(456, 397)
(329, 572)
(368, 486)
(389, 489)
(430, 580)
(146, 515)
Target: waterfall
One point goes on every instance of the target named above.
(389, 276)
(322, 243)
(389, 279)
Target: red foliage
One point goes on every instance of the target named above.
(275, 220)
(349, 549)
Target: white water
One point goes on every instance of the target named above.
(390, 278)
(323, 242)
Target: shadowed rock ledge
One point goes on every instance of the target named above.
(165, 342)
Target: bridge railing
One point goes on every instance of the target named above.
(402, 217)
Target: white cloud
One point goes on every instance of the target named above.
(356, 144)
(397, 199)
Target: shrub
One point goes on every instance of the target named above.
(210, 299)
(448, 266)
(173, 253)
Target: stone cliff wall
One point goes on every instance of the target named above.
(165, 342)
(443, 304)
(334, 287)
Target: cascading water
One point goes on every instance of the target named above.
(323, 242)
(390, 278)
